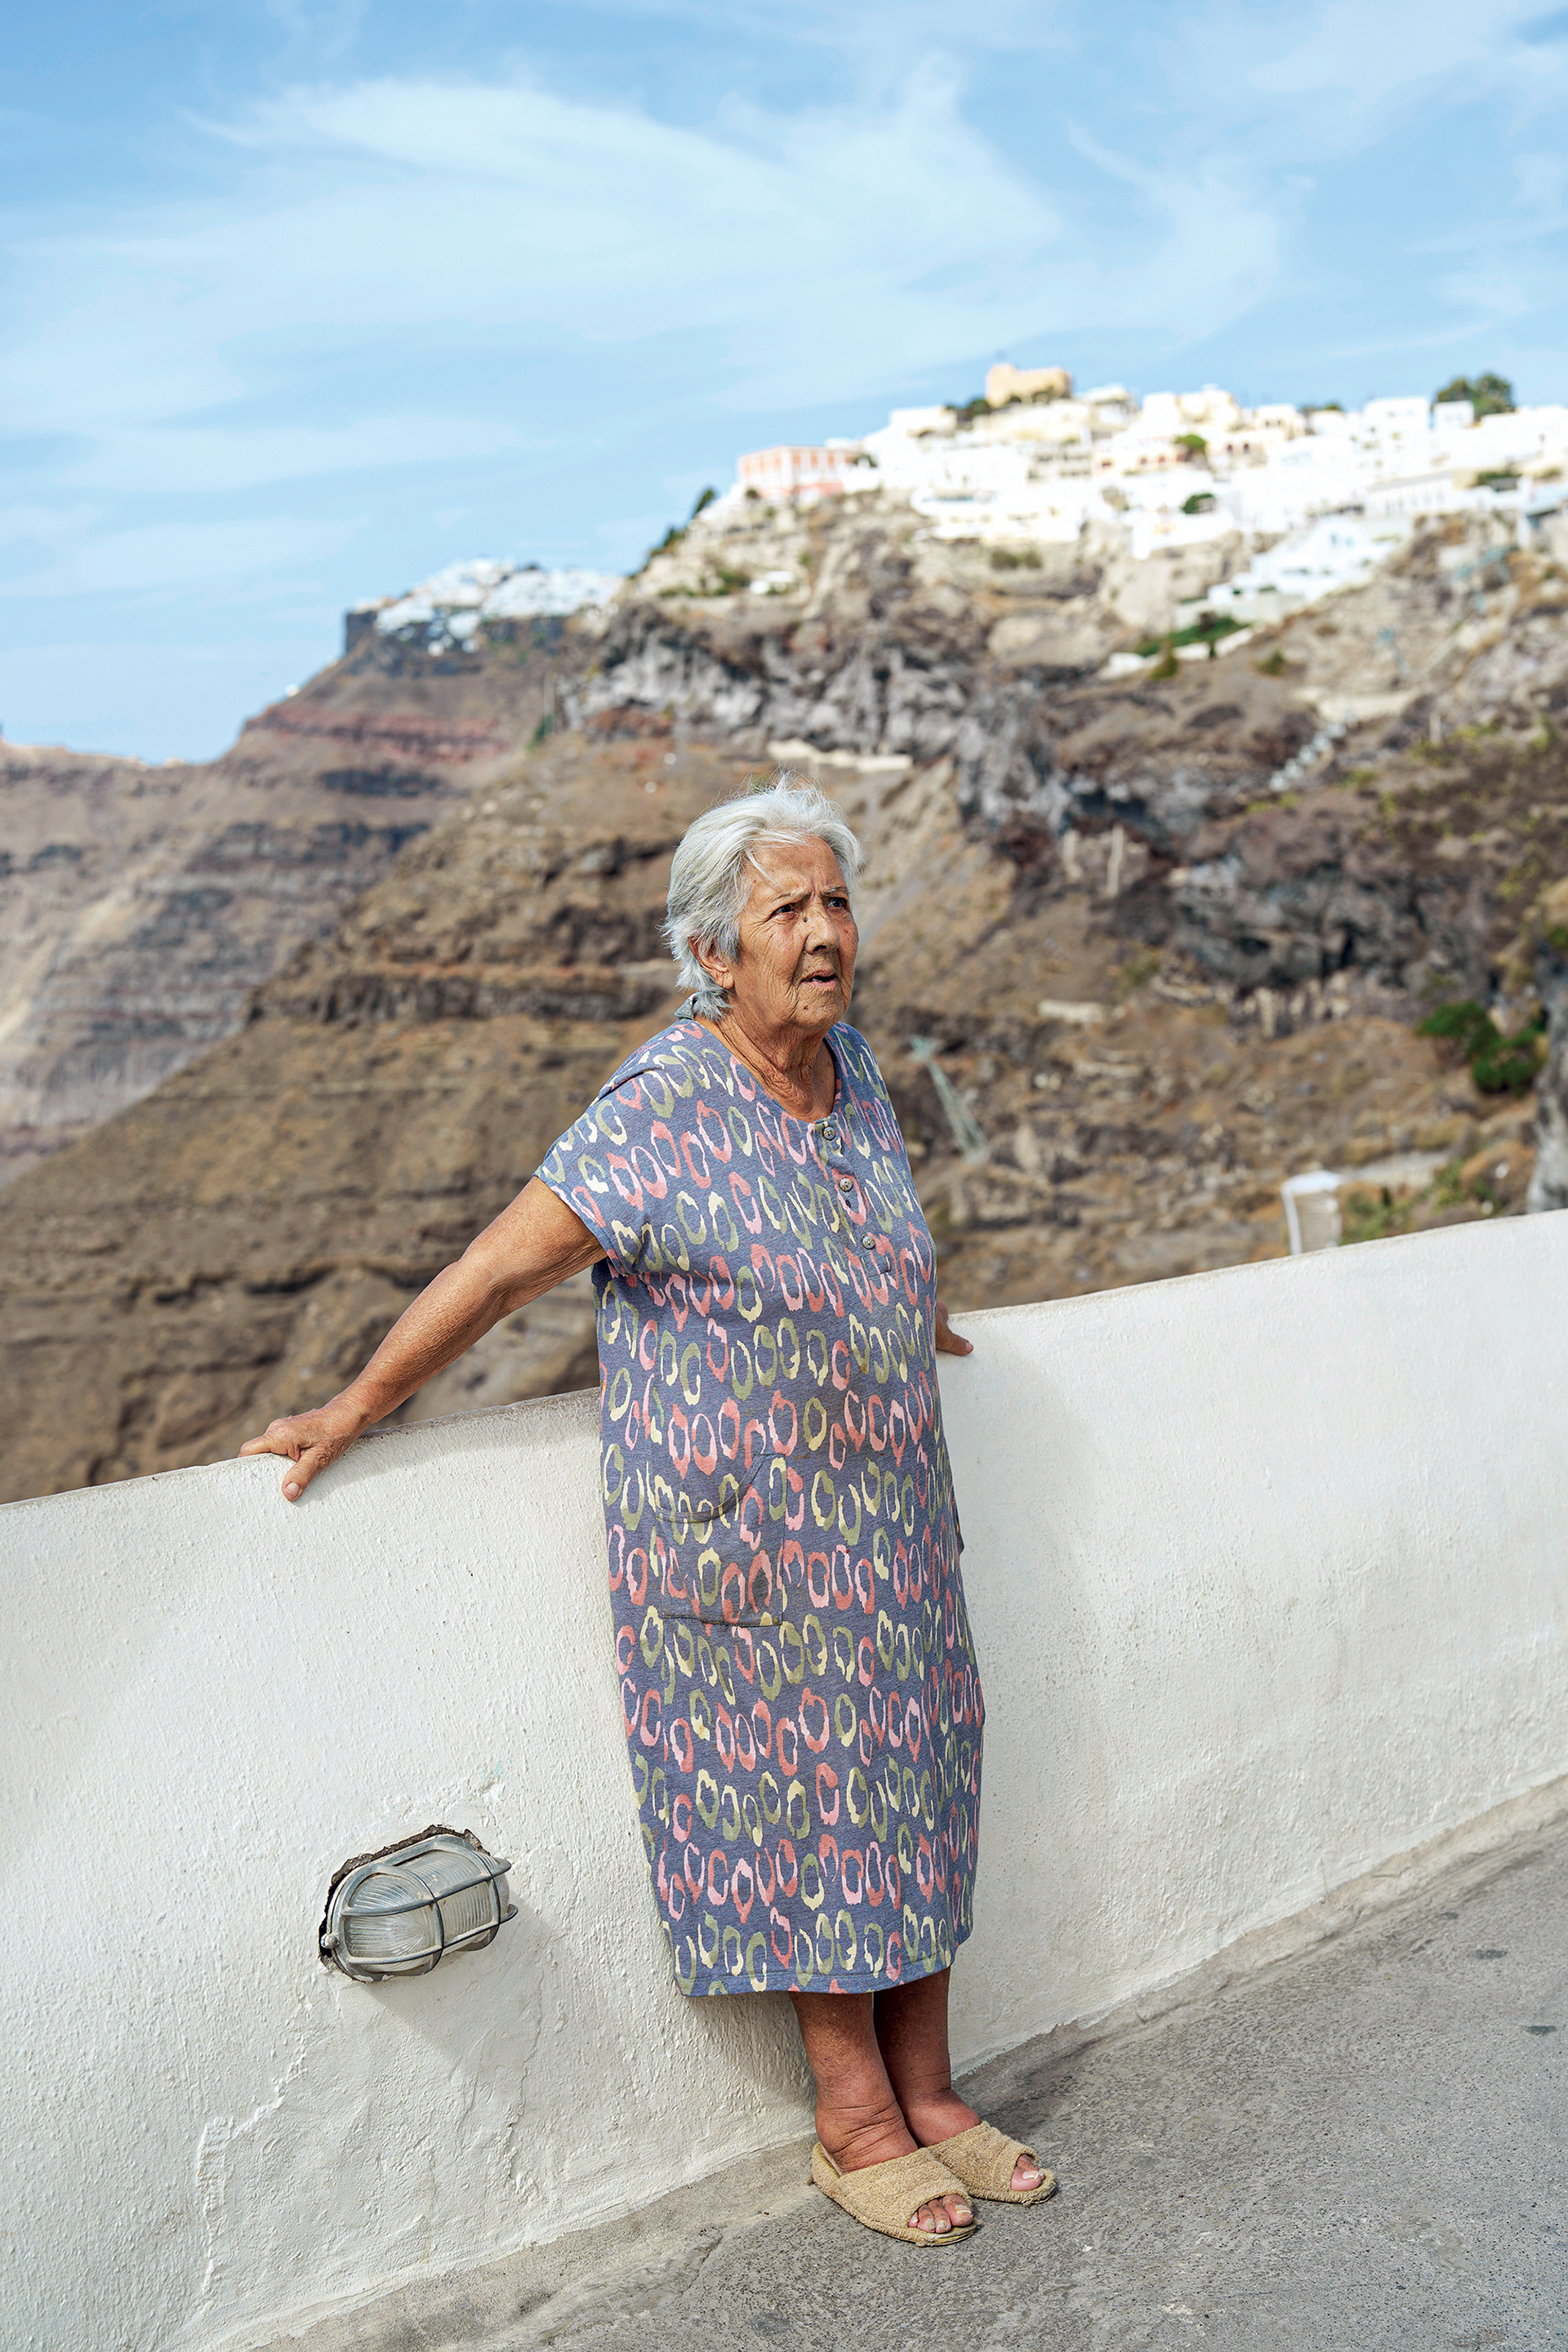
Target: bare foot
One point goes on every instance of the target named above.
(857, 2117)
(854, 2142)
(941, 2115)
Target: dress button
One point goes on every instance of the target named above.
(847, 1183)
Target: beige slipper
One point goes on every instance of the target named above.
(883, 2196)
(984, 2160)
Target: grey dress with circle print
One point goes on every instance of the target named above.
(798, 1682)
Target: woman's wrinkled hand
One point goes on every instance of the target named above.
(949, 1341)
(309, 1440)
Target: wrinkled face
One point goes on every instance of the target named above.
(796, 966)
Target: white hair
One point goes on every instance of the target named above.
(707, 881)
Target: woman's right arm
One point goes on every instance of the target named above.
(532, 1245)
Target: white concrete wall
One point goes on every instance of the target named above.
(1266, 1572)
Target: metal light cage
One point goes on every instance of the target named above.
(400, 1912)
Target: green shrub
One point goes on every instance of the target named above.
(1449, 1185)
(1137, 973)
(1206, 630)
(1466, 1024)
(1015, 559)
(1368, 1217)
(1499, 1065)
(1489, 394)
(546, 727)
(1272, 665)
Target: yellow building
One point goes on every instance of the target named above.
(1004, 383)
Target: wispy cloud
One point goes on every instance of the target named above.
(195, 460)
(1334, 76)
(158, 556)
(391, 230)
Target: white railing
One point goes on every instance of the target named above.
(1266, 1573)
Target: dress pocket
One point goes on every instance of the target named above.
(729, 1553)
(721, 1582)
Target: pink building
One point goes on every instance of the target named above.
(779, 473)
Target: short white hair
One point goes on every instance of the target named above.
(707, 881)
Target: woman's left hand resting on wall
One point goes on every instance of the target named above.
(533, 1244)
(949, 1342)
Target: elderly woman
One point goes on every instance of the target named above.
(798, 1682)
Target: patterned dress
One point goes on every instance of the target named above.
(798, 1683)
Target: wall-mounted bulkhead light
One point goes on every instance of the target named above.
(398, 1914)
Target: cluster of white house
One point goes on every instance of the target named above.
(1034, 461)
(1037, 462)
(452, 606)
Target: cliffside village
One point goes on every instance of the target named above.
(1034, 460)
(1316, 498)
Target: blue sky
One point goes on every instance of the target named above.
(303, 301)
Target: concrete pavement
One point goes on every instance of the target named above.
(1362, 2147)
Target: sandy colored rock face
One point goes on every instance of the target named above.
(141, 907)
(234, 1243)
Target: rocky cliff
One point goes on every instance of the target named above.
(142, 905)
(1159, 985)
(873, 635)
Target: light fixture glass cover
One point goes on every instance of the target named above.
(400, 1912)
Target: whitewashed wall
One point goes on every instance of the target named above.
(1267, 1572)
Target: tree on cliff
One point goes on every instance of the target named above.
(1488, 396)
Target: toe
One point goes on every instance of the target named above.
(1025, 2175)
(942, 2216)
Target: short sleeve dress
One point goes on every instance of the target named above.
(798, 1683)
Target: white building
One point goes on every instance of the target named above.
(1338, 552)
(452, 606)
(783, 472)
(1185, 467)
(1396, 427)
